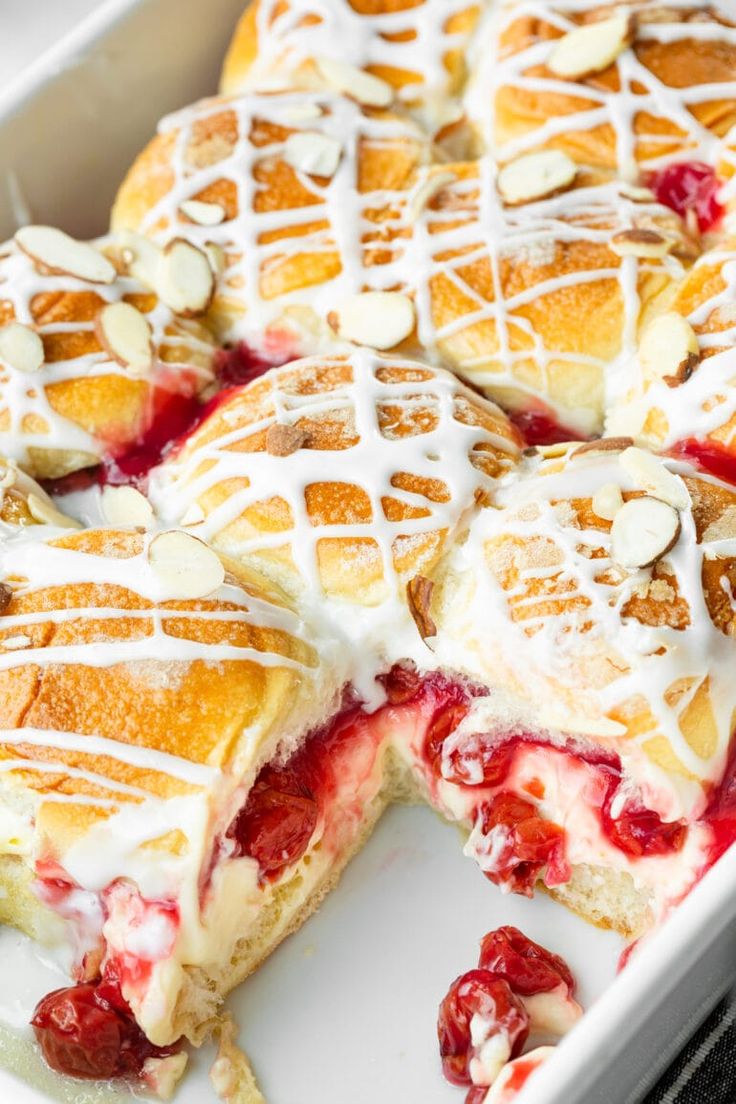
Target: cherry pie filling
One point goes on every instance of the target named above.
(708, 456)
(315, 789)
(689, 186)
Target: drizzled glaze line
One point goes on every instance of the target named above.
(29, 420)
(641, 93)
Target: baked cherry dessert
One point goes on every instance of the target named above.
(383, 451)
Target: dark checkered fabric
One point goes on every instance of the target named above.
(705, 1072)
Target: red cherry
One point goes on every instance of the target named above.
(527, 967)
(481, 761)
(689, 186)
(476, 1094)
(638, 831)
(278, 820)
(478, 991)
(240, 365)
(541, 427)
(528, 845)
(81, 1035)
(709, 456)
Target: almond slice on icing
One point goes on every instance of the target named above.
(44, 512)
(283, 440)
(361, 86)
(426, 191)
(535, 176)
(204, 214)
(639, 242)
(591, 48)
(649, 473)
(21, 348)
(140, 255)
(63, 255)
(419, 596)
(185, 280)
(125, 506)
(125, 334)
(607, 501)
(603, 444)
(6, 596)
(379, 319)
(669, 349)
(184, 565)
(643, 531)
(313, 153)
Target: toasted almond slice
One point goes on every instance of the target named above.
(552, 452)
(63, 255)
(591, 48)
(426, 191)
(21, 348)
(302, 112)
(379, 319)
(636, 192)
(649, 473)
(44, 512)
(193, 515)
(310, 152)
(184, 565)
(535, 176)
(643, 531)
(141, 256)
(125, 506)
(362, 86)
(607, 501)
(6, 596)
(204, 214)
(185, 280)
(283, 440)
(419, 596)
(669, 348)
(639, 242)
(604, 444)
(125, 334)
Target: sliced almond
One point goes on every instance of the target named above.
(184, 566)
(21, 348)
(63, 255)
(361, 86)
(313, 153)
(591, 48)
(301, 112)
(639, 242)
(125, 506)
(426, 191)
(651, 475)
(204, 214)
(643, 531)
(604, 444)
(6, 596)
(669, 349)
(535, 176)
(636, 192)
(379, 319)
(140, 255)
(193, 515)
(44, 512)
(125, 334)
(419, 596)
(607, 501)
(283, 440)
(185, 280)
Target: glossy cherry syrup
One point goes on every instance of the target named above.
(174, 417)
(82, 1034)
(540, 427)
(689, 186)
(708, 457)
(478, 992)
(528, 967)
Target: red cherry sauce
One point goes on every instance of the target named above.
(483, 993)
(720, 812)
(689, 186)
(539, 426)
(82, 1034)
(174, 417)
(708, 456)
(510, 967)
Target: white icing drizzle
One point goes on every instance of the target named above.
(29, 420)
(415, 40)
(442, 452)
(640, 92)
(660, 415)
(553, 654)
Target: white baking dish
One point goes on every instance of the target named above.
(345, 1009)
